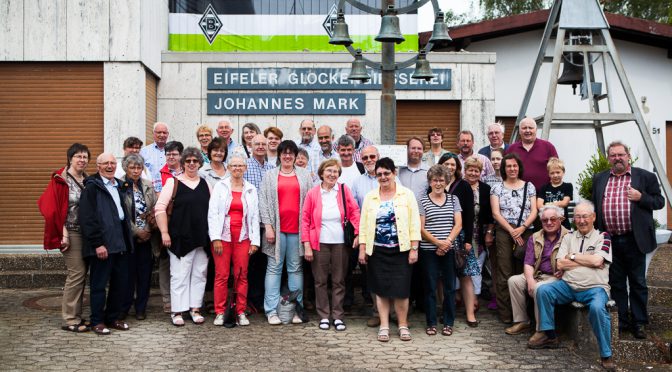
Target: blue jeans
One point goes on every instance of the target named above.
(559, 293)
(289, 252)
(434, 266)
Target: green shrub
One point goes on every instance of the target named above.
(597, 163)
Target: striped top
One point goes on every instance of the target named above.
(439, 219)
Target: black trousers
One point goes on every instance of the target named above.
(628, 267)
(256, 274)
(106, 307)
(140, 264)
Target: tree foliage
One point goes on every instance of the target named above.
(654, 10)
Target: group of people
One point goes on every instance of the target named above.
(318, 207)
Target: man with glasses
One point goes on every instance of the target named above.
(173, 156)
(495, 132)
(583, 258)
(225, 131)
(625, 198)
(132, 145)
(539, 268)
(465, 147)
(310, 144)
(155, 154)
(436, 150)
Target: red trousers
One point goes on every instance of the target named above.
(238, 252)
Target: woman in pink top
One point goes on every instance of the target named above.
(323, 240)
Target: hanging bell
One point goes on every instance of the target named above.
(389, 28)
(572, 70)
(422, 69)
(440, 34)
(341, 35)
(358, 71)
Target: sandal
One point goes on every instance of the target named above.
(177, 319)
(100, 329)
(196, 316)
(77, 328)
(404, 334)
(339, 325)
(324, 324)
(447, 331)
(383, 334)
(431, 331)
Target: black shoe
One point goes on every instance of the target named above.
(123, 315)
(140, 316)
(638, 332)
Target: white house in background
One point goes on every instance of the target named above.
(645, 49)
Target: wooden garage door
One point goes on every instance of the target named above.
(150, 106)
(44, 108)
(415, 118)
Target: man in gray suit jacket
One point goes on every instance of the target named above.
(625, 198)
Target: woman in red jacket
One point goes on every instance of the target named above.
(323, 239)
(59, 204)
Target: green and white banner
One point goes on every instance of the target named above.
(213, 32)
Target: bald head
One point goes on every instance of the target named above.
(160, 134)
(528, 130)
(354, 129)
(259, 147)
(107, 165)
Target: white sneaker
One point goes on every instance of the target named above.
(242, 320)
(296, 320)
(219, 320)
(274, 320)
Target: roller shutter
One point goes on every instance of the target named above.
(150, 105)
(44, 108)
(415, 118)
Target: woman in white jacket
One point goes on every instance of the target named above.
(233, 225)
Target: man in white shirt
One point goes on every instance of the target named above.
(225, 131)
(132, 145)
(155, 154)
(350, 170)
(309, 143)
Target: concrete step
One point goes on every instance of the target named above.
(660, 318)
(32, 278)
(649, 351)
(660, 296)
(32, 261)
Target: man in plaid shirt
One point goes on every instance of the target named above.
(625, 198)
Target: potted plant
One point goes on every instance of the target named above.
(662, 234)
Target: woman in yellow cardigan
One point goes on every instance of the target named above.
(389, 235)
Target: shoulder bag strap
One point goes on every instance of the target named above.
(522, 209)
(345, 208)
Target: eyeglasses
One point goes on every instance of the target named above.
(204, 135)
(582, 216)
(172, 154)
(237, 165)
(550, 220)
(306, 128)
(83, 157)
(383, 174)
(324, 138)
(191, 161)
(437, 135)
(369, 157)
(618, 155)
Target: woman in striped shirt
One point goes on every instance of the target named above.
(440, 223)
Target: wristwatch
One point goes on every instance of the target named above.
(572, 257)
(414, 248)
(488, 231)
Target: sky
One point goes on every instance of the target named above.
(426, 12)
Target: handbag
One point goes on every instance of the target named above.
(460, 252)
(519, 250)
(169, 208)
(348, 227)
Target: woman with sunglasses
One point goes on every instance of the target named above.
(185, 234)
(389, 237)
(514, 208)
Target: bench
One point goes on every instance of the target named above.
(572, 321)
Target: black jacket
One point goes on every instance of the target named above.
(641, 212)
(99, 219)
(485, 212)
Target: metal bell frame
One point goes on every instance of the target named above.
(388, 65)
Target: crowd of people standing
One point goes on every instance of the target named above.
(318, 207)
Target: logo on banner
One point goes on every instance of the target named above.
(328, 23)
(210, 24)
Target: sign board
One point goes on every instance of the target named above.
(286, 104)
(316, 79)
(395, 152)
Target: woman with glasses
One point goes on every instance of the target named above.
(389, 237)
(215, 170)
(59, 205)
(233, 221)
(460, 188)
(281, 198)
(514, 208)
(325, 209)
(249, 131)
(173, 167)
(185, 234)
(204, 137)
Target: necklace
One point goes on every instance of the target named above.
(290, 172)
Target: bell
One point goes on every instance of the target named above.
(440, 34)
(572, 70)
(341, 35)
(358, 70)
(422, 69)
(389, 28)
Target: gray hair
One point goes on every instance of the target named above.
(587, 204)
(157, 124)
(558, 211)
(618, 144)
(236, 156)
(345, 140)
(437, 171)
(191, 152)
(497, 125)
(132, 159)
(304, 152)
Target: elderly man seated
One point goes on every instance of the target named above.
(540, 268)
(584, 258)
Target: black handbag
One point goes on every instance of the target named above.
(519, 250)
(348, 227)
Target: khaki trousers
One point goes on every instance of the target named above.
(518, 292)
(506, 266)
(330, 258)
(75, 282)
